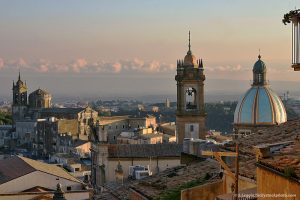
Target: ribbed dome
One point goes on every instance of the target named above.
(260, 106)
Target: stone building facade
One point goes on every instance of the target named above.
(40, 99)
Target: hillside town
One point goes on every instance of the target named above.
(128, 149)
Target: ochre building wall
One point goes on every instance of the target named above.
(207, 191)
(271, 183)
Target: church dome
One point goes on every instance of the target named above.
(40, 92)
(260, 106)
(40, 99)
(190, 59)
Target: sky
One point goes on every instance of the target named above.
(130, 47)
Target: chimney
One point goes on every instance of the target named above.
(262, 151)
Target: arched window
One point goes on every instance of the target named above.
(190, 98)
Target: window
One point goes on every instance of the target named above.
(259, 77)
(69, 188)
(192, 128)
(116, 127)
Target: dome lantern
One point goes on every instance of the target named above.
(259, 72)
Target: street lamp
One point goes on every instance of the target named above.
(294, 17)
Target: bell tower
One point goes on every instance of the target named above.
(19, 106)
(190, 113)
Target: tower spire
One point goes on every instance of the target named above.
(19, 75)
(259, 56)
(189, 52)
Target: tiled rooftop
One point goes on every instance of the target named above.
(110, 120)
(287, 157)
(174, 177)
(62, 110)
(279, 134)
(144, 150)
(171, 178)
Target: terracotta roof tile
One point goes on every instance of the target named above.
(144, 150)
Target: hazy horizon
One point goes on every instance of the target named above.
(104, 48)
(231, 90)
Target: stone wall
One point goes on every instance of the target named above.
(68, 126)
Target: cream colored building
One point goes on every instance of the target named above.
(112, 127)
(82, 148)
(151, 138)
(107, 158)
(20, 174)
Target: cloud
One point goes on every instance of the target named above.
(81, 65)
(43, 68)
(117, 67)
(226, 68)
(1, 63)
